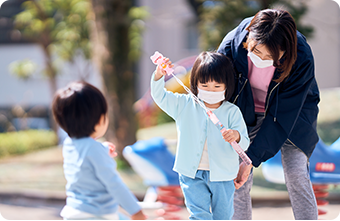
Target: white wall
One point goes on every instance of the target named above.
(34, 91)
(167, 32)
(324, 15)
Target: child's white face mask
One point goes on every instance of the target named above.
(211, 97)
(258, 62)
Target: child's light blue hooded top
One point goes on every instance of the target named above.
(93, 183)
(194, 127)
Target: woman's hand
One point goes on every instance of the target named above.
(138, 216)
(231, 135)
(242, 175)
(112, 148)
(160, 72)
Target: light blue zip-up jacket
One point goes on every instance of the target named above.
(194, 127)
(93, 183)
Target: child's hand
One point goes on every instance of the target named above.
(112, 148)
(231, 135)
(160, 72)
(138, 216)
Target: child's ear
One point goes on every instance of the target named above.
(100, 122)
(102, 119)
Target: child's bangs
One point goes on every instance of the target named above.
(208, 72)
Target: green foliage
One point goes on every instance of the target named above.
(122, 164)
(329, 131)
(20, 142)
(138, 15)
(298, 9)
(217, 18)
(23, 69)
(163, 118)
(60, 26)
(63, 28)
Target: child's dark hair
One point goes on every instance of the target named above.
(213, 66)
(77, 108)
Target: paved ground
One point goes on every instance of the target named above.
(39, 209)
(32, 188)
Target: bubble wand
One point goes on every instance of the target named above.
(158, 59)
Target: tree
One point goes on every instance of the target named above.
(116, 37)
(217, 18)
(61, 28)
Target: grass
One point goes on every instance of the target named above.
(329, 131)
(329, 115)
(21, 142)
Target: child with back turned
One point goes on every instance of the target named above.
(94, 188)
(205, 160)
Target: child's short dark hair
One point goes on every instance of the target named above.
(77, 108)
(213, 66)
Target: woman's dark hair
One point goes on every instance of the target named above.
(276, 29)
(213, 66)
(77, 108)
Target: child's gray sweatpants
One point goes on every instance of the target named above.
(296, 170)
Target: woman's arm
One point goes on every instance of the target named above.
(282, 116)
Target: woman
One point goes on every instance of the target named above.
(277, 94)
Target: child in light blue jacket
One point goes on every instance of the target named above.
(206, 162)
(94, 188)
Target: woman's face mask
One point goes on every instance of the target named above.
(257, 52)
(258, 62)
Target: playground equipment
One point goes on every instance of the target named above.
(152, 160)
(324, 170)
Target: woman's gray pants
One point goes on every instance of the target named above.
(296, 171)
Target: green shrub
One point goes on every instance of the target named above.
(20, 142)
(329, 131)
(163, 118)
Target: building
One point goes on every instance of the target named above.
(170, 29)
(26, 103)
(324, 16)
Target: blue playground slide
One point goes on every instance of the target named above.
(324, 165)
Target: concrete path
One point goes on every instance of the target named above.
(40, 209)
(32, 188)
